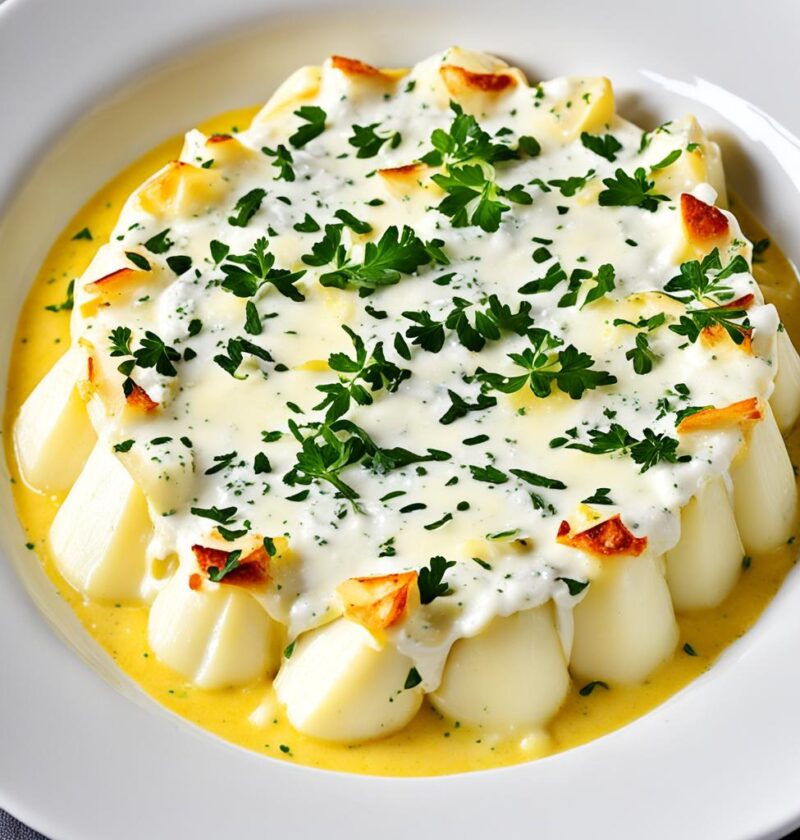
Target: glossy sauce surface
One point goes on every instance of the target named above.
(430, 745)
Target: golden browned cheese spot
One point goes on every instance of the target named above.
(717, 334)
(218, 138)
(738, 413)
(253, 569)
(377, 602)
(743, 302)
(702, 221)
(457, 79)
(608, 539)
(139, 398)
(407, 171)
(113, 280)
(354, 67)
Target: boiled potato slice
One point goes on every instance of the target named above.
(511, 675)
(587, 106)
(217, 636)
(340, 684)
(52, 434)
(764, 489)
(704, 566)
(100, 533)
(700, 160)
(785, 399)
(625, 626)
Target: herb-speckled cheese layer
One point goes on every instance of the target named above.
(425, 349)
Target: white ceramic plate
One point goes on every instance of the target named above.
(87, 86)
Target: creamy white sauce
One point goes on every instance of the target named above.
(332, 541)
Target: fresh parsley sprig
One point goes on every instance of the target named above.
(314, 118)
(474, 196)
(369, 142)
(651, 449)
(606, 146)
(465, 141)
(630, 191)
(283, 162)
(641, 355)
(546, 365)
(384, 262)
(246, 274)
(430, 579)
(701, 280)
(371, 368)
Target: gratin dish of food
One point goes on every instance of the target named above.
(419, 421)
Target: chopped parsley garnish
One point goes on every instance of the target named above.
(308, 225)
(489, 323)
(652, 449)
(459, 407)
(216, 574)
(349, 220)
(599, 497)
(369, 142)
(630, 191)
(179, 264)
(222, 516)
(430, 579)
(606, 146)
(84, 233)
(371, 368)
(245, 274)
(539, 480)
(605, 282)
(153, 352)
(314, 118)
(123, 446)
(252, 324)
(475, 199)
(246, 207)
(575, 587)
(568, 187)
(221, 462)
(160, 243)
(693, 321)
(219, 250)
(412, 680)
(488, 474)
(702, 279)
(667, 161)
(237, 348)
(139, 261)
(466, 141)
(545, 366)
(283, 162)
(384, 261)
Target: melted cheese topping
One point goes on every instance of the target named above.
(330, 540)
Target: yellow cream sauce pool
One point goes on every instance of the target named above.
(430, 745)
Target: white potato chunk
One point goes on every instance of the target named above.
(511, 675)
(52, 434)
(785, 399)
(340, 684)
(101, 531)
(704, 566)
(625, 626)
(764, 489)
(216, 637)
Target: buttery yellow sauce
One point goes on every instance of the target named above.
(430, 745)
